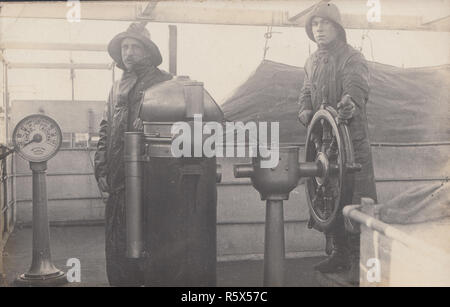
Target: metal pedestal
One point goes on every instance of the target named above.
(42, 271)
(274, 244)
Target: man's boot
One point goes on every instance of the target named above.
(353, 243)
(329, 243)
(338, 261)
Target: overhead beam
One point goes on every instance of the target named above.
(90, 10)
(59, 66)
(222, 16)
(8, 45)
(389, 22)
(234, 13)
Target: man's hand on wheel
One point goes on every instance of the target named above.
(305, 116)
(346, 108)
(103, 184)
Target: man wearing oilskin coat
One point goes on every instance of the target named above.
(138, 56)
(339, 74)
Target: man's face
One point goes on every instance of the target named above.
(323, 30)
(132, 52)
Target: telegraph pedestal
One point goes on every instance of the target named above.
(37, 138)
(329, 171)
(274, 252)
(274, 185)
(42, 271)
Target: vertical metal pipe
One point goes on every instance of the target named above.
(6, 100)
(4, 202)
(13, 188)
(173, 49)
(41, 232)
(133, 193)
(274, 244)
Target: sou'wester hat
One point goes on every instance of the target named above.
(139, 33)
(329, 11)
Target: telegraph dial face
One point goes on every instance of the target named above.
(37, 138)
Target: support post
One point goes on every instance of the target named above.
(274, 252)
(173, 49)
(6, 100)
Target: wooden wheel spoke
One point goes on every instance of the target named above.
(326, 136)
(318, 200)
(327, 143)
(329, 199)
(333, 150)
(329, 206)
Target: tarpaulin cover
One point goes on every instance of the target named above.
(405, 105)
(419, 204)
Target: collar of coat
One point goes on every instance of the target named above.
(332, 47)
(144, 69)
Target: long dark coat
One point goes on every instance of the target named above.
(335, 72)
(121, 112)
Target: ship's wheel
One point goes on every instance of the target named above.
(329, 145)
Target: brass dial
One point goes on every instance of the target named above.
(37, 138)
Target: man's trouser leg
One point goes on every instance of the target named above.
(121, 271)
(338, 260)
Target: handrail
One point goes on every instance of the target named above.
(352, 212)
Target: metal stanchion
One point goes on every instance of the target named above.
(42, 271)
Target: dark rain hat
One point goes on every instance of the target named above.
(140, 33)
(329, 11)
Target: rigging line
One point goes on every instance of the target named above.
(366, 35)
(268, 36)
(362, 40)
(363, 36)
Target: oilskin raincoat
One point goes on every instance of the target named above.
(122, 111)
(333, 72)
